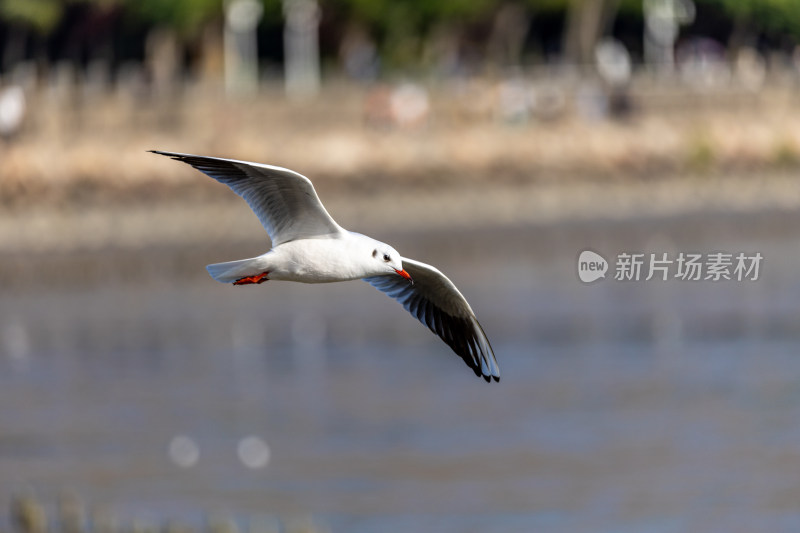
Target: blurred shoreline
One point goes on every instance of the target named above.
(149, 245)
(171, 222)
(78, 176)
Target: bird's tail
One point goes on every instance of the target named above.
(234, 270)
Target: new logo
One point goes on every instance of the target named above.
(591, 266)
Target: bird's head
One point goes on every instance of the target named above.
(387, 260)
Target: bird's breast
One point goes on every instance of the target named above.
(313, 261)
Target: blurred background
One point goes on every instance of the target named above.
(494, 139)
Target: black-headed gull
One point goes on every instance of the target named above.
(310, 247)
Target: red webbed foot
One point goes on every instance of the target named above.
(250, 280)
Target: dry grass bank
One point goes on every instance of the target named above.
(95, 145)
(79, 174)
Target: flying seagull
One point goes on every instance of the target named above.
(310, 247)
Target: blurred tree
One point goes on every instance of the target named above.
(509, 30)
(187, 17)
(403, 28)
(406, 33)
(587, 22)
(41, 15)
(751, 17)
(24, 17)
(194, 25)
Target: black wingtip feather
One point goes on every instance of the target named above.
(176, 157)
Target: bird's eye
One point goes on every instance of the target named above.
(374, 253)
(386, 257)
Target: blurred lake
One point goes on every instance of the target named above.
(649, 406)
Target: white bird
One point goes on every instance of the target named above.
(310, 247)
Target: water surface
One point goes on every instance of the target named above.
(640, 406)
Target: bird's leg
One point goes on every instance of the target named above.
(249, 280)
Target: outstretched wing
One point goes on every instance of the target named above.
(436, 302)
(284, 201)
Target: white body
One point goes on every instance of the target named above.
(322, 260)
(310, 247)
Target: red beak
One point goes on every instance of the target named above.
(405, 275)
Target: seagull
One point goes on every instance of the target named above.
(310, 247)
